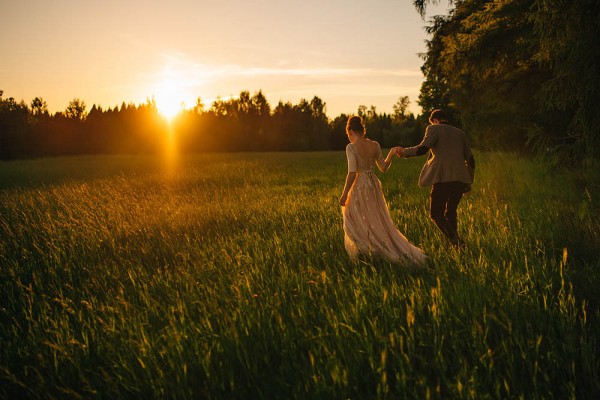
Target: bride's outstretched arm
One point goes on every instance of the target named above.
(384, 165)
(350, 178)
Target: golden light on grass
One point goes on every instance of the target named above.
(170, 151)
(187, 270)
(171, 91)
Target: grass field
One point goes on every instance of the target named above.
(224, 276)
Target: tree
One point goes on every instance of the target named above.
(518, 73)
(14, 128)
(568, 33)
(362, 111)
(421, 5)
(75, 110)
(337, 134)
(39, 107)
(481, 67)
(319, 124)
(435, 90)
(259, 105)
(401, 108)
(199, 107)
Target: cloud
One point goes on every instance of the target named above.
(315, 72)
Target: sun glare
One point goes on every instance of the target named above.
(169, 99)
(177, 85)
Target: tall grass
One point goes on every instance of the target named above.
(225, 276)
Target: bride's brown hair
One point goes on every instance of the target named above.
(356, 124)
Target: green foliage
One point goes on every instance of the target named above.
(518, 73)
(568, 32)
(392, 130)
(15, 133)
(225, 276)
(76, 109)
(245, 123)
(39, 108)
(479, 63)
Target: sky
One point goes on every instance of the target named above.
(346, 52)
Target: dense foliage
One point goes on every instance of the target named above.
(518, 73)
(245, 123)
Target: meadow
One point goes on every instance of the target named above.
(224, 276)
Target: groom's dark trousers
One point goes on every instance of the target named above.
(449, 169)
(444, 200)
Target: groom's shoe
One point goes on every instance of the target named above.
(458, 244)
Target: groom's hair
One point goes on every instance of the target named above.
(438, 114)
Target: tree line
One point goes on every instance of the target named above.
(514, 74)
(518, 74)
(245, 123)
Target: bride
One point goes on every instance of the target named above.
(368, 226)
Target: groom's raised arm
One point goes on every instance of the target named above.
(422, 148)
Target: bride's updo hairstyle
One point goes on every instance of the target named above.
(356, 124)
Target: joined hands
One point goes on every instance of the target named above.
(398, 151)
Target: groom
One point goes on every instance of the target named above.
(449, 169)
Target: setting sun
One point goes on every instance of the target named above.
(177, 85)
(180, 51)
(169, 96)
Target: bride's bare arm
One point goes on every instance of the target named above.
(350, 178)
(384, 165)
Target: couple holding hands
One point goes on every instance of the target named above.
(449, 169)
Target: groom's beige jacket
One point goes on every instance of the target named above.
(449, 154)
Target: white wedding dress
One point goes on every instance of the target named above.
(368, 226)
